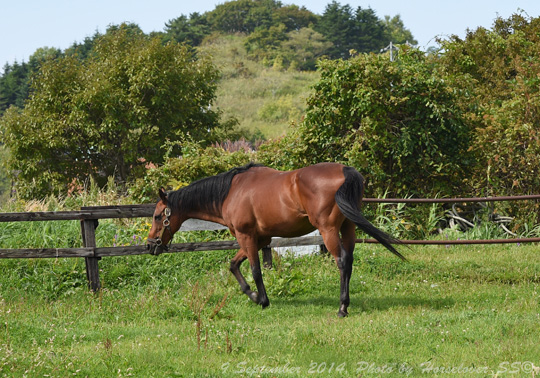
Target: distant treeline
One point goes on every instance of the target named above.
(289, 35)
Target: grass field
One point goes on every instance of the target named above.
(449, 311)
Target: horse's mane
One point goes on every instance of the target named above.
(207, 194)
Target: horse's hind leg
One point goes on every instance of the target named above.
(343, 254)
(348, 237)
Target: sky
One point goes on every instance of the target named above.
(26, 25)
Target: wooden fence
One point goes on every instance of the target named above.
(89, 219)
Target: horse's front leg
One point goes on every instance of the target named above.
(235, 270)
(251, 247)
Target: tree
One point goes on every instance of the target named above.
(336, 25)
(502, 72)
(360, 30)
(368, 32)
(266, 42)
(110, 114)
(83, 49)
(15, 82)
(242, 16)
(396, 32)
(13, 85)
(304, 47)
(238, 16)
(190, 30)
(294, 17)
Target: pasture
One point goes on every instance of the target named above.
(449, 311)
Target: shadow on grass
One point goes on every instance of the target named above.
(366, 304)
(370, 304)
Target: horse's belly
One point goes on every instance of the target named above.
(287, 228)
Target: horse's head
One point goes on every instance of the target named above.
(164, 225)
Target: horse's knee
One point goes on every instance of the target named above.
(235, 263)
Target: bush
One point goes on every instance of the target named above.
(503, 71)
(195, 163)
(397, 122)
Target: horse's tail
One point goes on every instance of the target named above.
(347, 198)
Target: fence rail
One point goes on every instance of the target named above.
(89, 219)
(453, 200)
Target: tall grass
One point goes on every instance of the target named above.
(431, 221)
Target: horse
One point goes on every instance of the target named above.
(257, 203)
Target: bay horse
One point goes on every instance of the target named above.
(257, 203)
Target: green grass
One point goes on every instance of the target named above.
(183, 315)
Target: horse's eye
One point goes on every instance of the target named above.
(157, 217)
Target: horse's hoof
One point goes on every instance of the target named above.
(265, 304)
(254, 296)
(342, 314)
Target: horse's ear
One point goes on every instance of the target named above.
(163, 195)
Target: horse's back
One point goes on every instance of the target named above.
(267, 183)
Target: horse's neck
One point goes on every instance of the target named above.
(216, 218)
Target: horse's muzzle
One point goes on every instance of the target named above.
(155, 247)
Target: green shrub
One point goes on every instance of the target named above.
(196, 163)
(397, 122)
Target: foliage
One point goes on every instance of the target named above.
(109, 114)
(397, 122)
(265, 42)
(304, 47)
(294, 17)
(15, 81)
(396, 31)
(83, 50)
(195, 163)
(295, 50)
(281, 109)
(5, 182)
(291, 36)
(190, 30)
(13, 85)
(242, 16)
(336, 33)
(239, 16)
(503, 70)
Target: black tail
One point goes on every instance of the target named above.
(347, 198)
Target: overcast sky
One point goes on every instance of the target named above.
(27, 25)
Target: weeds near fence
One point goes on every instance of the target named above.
(434, 221)
(197, 303)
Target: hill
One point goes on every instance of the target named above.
(264, 99)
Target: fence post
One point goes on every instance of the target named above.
(88, 230)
